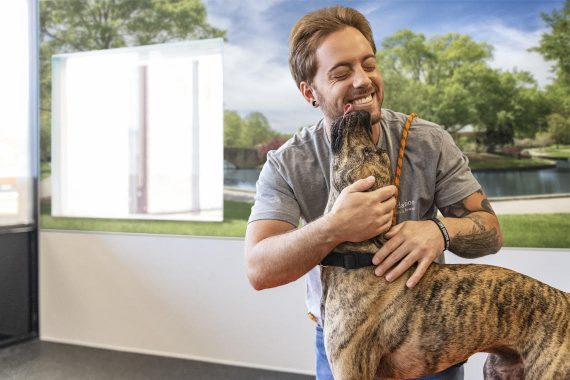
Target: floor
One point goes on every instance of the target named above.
(37, 360)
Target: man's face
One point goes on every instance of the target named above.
(347, 73)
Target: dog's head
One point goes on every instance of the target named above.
(354, 153)
(351, 132)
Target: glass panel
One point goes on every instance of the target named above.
(16, 174)
(138, 132)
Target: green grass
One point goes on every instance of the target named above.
(493, 161)
(554, 151)
(536, 230)
(234, 224)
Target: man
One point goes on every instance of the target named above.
(332, 57)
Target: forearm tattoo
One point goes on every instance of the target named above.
(482, 239)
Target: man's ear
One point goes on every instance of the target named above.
(307, 91)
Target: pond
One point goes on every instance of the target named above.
(506, 183)
(499, 183)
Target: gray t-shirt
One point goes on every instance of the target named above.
(294, 183)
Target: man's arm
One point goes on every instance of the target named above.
(276, 253)
(473, 229)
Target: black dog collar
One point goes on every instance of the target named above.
(348, 260)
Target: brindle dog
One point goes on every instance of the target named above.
(375, 328)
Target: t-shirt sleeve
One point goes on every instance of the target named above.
(274, 197)
(454, 180)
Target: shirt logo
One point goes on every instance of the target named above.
(406, 206)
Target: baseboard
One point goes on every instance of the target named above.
(177, 356)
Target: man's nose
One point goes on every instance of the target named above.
(361, 78)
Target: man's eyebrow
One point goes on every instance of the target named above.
(339, 65)
(349, 64)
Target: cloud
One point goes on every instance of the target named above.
(256, 73)
(255, 82)
(511, 49)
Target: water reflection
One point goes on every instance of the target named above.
(241, 178)
(524, 182)
(495, 183)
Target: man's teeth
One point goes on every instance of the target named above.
(363, 100)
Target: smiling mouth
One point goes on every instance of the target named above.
(364, 100)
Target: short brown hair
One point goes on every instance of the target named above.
(312, 28)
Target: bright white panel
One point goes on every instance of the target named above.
(138, 132)
(16, 178)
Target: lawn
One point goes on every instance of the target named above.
(537, 230)
(554, 151)
(234, 224)
(485, 161)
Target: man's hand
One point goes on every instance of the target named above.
(277, 253)
(409, 243)
(358, 215)
(472, 226)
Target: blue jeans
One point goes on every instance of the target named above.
(324, 370)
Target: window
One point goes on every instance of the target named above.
(138, 132)
(16, 166)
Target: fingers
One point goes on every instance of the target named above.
(408, 243)
(389, 246)
(404, 261)
(418, 273)
(393, 231)
(361, 185)
(388, 255)
(372, 211)
(385, 193)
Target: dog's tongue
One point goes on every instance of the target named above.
(347, 108)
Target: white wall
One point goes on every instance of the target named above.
(167, 295)
(188, 297)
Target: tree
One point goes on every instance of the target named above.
(559, 128)
(233, 125)
(256, 130)
(420, 75)
(555, 45)
(447, 79)
(252, 131)
(272, 144)
(82, 25)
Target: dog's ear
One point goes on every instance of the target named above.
(336, 134)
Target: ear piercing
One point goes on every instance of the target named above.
(314, 103)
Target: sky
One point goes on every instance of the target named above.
(256, 73)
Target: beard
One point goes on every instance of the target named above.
(331, 110)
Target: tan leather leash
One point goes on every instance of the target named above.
(399, 163)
